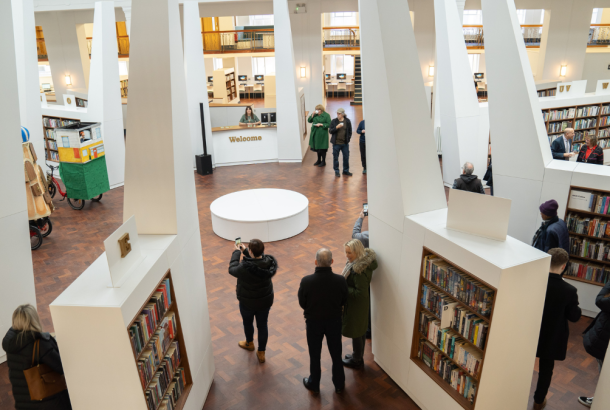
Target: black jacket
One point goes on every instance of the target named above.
(489, 176)
(333, 130)
(552, 233)
(597, 335)
(469, 183)
(19, 358)
(558, 148)
(254, 286)
(560, 305)
(323, 295)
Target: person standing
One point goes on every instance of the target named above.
(560, 306)
(254, 291)
(360, 131)
(561, 148)
(322, 297)
(467, 181)
(358, 272)
(553, 232)
(591, 153)
(364, 238)
(597, 334)
(489, 178)
(341, 131)
(318, 137)
(19, 345)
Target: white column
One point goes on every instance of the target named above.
(564, 39)
(105, 104)
(196, 76)
(460, 8)
(288, 138)
(459, 105)
(425, 35)
(16, 271)
(127, 11)
(27, 73)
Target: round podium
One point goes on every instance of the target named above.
(265, 214)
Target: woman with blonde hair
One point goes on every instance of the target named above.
(19, 347)
(358, 272)
(318, 137)
(590, 152)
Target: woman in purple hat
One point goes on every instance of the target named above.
(553, 233)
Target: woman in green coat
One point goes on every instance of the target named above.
(358, 272)
(318, 138)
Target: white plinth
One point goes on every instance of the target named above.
(265, 214)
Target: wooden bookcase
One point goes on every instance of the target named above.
(602, 132)
(604, 239)
(224, 84)
(547, 92)
(184, 363)
(52, 154)
(418, 336)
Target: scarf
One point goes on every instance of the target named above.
(348, 268)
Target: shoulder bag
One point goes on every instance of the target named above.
(42, 381)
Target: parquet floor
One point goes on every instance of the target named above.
(240, 382)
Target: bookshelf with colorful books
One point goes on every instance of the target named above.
(49, 124)
(587, 119)
(452, 324)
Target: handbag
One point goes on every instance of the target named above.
(42, 381)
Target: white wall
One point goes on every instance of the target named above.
(596, 68)
(244, 65)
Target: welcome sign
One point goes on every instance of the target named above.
(244, 139)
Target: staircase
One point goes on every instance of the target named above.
(357, 82)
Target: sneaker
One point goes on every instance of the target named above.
(337, 174)
(586, 401)
(246, 345)
(318, 162)
(364, 171)
(322, 164)
(349, 174)
(261, 356)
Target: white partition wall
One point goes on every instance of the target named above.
(407, 214)
(16, 271)
(104, 92)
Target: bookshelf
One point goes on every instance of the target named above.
(588, 225)
(588, 119)
(161, 352)
(49, 123)
(458, 349)
(224, 85)
(547, 92)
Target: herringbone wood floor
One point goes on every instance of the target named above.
(240, 382)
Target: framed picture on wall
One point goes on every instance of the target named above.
(303, 116)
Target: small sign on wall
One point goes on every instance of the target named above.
(571, 89)
(602, 87)
(70, 100)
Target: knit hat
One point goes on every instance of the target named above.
(549, 208)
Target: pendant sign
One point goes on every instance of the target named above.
(561, 88)
(568, 88)
(602, 87)
(605, 85)
(124, 245)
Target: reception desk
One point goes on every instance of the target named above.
(241, 145)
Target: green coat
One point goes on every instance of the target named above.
(356, 312)
(318, 138)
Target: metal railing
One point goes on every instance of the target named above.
(259, 40)
(599, 35)
(341, 37)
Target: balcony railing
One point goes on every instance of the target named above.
(238, 41)
(599, 35)
(341, 37)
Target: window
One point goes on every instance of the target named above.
(340, 63)
(474, 62)
(473, 17)
(122, 67)
(263, 65)
(217, 63)
(521, 16)
(542, 17)
(44, 70)
(596, 17)
(261, 20)
(343, 19)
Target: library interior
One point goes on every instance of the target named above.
(177, 192)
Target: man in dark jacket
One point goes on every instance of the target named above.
(560, 305)
(468, 182)
(561, 148)
(597, 334)
(341, 131)
(553, 233)
(360, 131)
(322, 297)
(254, 292)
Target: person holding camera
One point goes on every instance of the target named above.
(254, 291)
(318, 137)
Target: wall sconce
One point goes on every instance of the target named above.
(68, 80)
(563, 70)
(431, 71)
(303, 72)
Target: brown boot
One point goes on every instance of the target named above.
(261, 356)
(246, 345)
(540, 406)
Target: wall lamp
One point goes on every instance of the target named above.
(68, 80)
(431, 71)
(563, 70)
(303, 72)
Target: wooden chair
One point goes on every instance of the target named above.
(258, 89)
(341, 87)
(242, 90)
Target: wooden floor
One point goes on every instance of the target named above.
(240, 382)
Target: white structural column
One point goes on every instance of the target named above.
(27, 73)
(288, 138)
(196, 76)
(564, 39)
(460, 117)
(425, 35)
(16, 270)
(105, 104)
(127, 12)
(460, 6)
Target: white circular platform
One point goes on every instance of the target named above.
(265, 214)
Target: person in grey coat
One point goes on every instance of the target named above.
(357, 231)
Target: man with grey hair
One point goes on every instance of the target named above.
(322, 296)
(561, 148)
(467, 181)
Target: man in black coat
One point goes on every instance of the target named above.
(322, 297)
(254, 292)
(560, 305)
(553, 232)
(467, 181)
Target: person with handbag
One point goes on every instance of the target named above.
(35, 369)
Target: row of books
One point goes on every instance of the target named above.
(603, 121)
(174, 391)
(163, 377)
(605, 133)
(50, 133)
(53, 156)
(587, 111)
(585, 123)
(588, 249)
(559, 126)
(458, 284)
(561, 114)
(588, 271)
(449, 372)
(155, 350)
(547, 93)
(56, 122)
(590, 226)
(581, 135)
(150, 317)
(51, 145)
(590, 202)
(605, 109)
